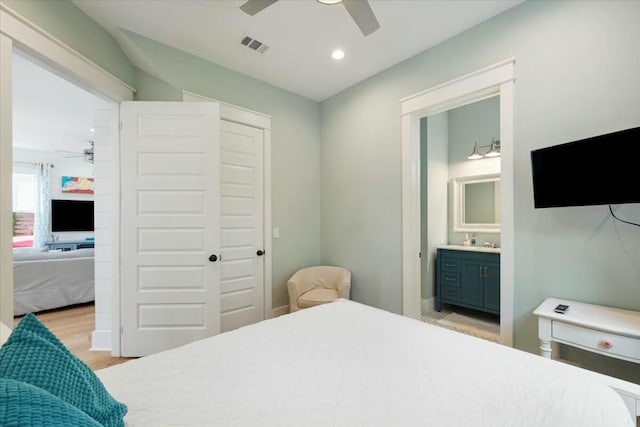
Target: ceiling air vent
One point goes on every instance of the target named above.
(253, 44)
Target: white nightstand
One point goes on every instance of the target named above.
(609, 331)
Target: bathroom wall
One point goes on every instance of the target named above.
(480, 122)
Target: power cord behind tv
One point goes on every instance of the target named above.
(622, 220)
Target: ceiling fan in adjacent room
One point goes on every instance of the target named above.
(87, 153)
(360, 11)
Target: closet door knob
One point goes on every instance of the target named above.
(213, 258)
(260, 252)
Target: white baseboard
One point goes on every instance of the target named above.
(428, 305)
(100, 341)
(279, 311)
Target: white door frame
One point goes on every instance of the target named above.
(244, 116)
(58, 56)
(495, 80)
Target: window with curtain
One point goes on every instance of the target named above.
(24, 207)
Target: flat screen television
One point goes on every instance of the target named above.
(71, 215)
(601, 170)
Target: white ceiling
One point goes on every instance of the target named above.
(301, 34)
(52, 114)
(49, 113)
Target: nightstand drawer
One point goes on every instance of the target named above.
(450, 293)
(598, 341)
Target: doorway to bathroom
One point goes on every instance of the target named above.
(460, 218)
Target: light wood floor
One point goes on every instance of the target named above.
(73, 326)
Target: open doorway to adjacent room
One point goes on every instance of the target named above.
(53, 192)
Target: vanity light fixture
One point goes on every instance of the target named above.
(493, 151)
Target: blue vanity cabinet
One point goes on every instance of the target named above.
(471, 292)
(468, 279)
(491, 287)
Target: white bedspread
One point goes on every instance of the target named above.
(346, 364)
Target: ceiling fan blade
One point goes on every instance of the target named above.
(254, 6)
(361, 12)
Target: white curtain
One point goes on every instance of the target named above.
(42, 218)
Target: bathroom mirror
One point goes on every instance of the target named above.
(476, 203)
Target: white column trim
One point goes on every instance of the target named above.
(6, 168)
(244, 116)
(497, 79)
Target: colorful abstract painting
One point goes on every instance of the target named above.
(77, 185)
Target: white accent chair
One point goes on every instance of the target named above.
(317, 285)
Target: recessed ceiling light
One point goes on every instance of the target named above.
(337, 54)
(329, 1)
(92, 130)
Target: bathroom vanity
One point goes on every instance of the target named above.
(468, 276)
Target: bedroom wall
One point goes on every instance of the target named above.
(576, 76)
(295, 145)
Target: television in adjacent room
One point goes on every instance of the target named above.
(71, 215)
(601, 170)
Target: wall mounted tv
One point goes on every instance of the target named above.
(71, 215)
(601, 170)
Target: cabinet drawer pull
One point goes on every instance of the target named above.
(449, 264)
(605, 344)
(450, 279)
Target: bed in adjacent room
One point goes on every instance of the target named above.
(347, 364)
(44, 280)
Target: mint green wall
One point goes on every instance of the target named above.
(295, 145)
(149, 87)
(69, 24)
(576, 75)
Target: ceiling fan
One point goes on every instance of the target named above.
(87, 153)
(360, 11)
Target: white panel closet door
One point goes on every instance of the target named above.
(170, 287)
(242, 228)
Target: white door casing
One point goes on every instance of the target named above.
(242, 234)
(497, 79)
(170, 287)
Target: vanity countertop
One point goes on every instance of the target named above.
(471, 248)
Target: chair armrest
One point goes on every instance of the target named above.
(293, 296)
(344, 290)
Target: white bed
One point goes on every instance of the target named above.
(347, 364)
